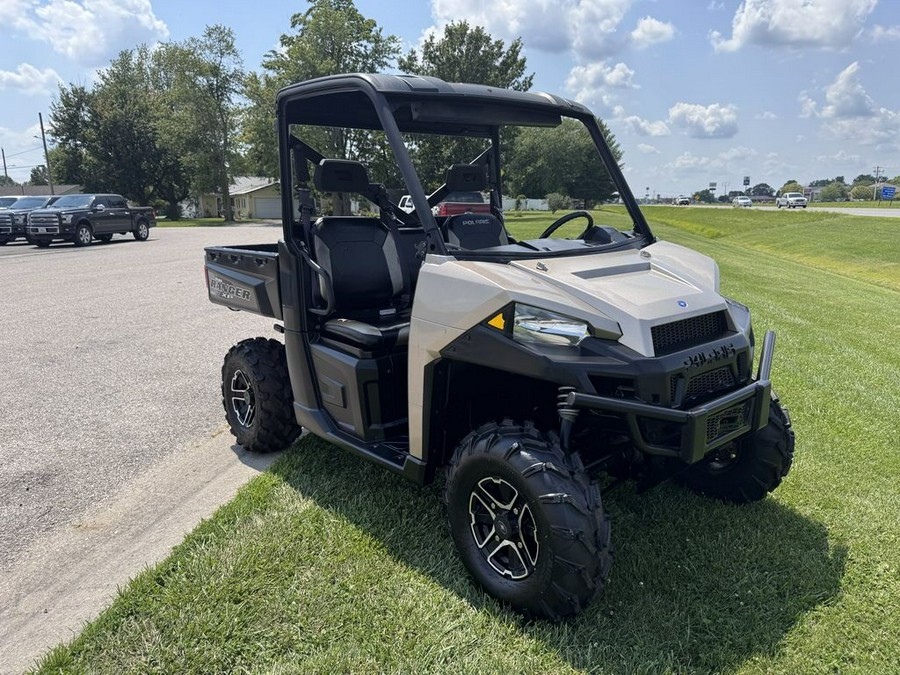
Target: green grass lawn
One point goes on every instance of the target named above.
(328, 564)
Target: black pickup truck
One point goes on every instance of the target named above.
(82, 218)
(14, 216)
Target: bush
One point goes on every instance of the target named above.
(557, 201)
(834, 192)
(861, 193)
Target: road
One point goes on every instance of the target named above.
(112, 439)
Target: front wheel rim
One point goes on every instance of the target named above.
(84, 235)
(243, 399)
(503, 528)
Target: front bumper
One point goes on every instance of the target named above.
(700, 429)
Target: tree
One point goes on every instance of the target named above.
(39, 175)
(330, 37)
(557, 201)
(108, 138)
(463, 54)
(561, 159)
(864, 179)
(705, 196)
(200, 80)
(791, 186)
(834, 192)
(6, 181)
(762, 190)
(820, 182)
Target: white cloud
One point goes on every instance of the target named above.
(732, 159)
(712, 121)
(766, 115)
(589, 82)
(647, 149)
(885, 33)
(587, 27)
(28, 79)
(795, 23)
(840, 156)
(643, 127)
(89, 32)
(845, 99)
(848, 113)
(714, 6)
(649, 31)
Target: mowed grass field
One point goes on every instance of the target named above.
(328, 564)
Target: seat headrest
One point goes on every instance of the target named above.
(466, 178)
(341, 175)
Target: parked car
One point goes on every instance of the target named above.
(14, 218)
(83, 218)
(791, 200)
(681, 200)
(743, 202)
(461, 202)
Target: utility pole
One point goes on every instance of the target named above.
(46, 154)
(878, 170)
(3, 152)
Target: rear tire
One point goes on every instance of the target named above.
(527, 520)
(751, 467)
(141, 231)
(257, 395)
(105, 238)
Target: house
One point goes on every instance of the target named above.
(38, 190)
(251, 197)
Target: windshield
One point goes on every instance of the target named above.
(73, 202)
(30, 202)
(514, 178)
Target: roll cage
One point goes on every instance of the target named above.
(398, 104)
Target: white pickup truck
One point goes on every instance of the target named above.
(791, 200)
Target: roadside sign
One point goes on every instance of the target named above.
(887, 192)
(746, 180)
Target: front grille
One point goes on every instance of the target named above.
(734, 418)
(702, 384)
(677, 335)
(5, 219)
(46, 219)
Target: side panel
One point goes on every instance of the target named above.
(244, 279)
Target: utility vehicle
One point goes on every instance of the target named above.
(525, 370)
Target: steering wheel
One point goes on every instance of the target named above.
(565, 219)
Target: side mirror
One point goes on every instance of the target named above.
(100, 207)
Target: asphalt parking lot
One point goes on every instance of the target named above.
(111, 360)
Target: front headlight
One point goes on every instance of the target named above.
(534, 325)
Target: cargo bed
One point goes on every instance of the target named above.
(244, 278)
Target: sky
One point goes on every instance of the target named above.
(695, 91)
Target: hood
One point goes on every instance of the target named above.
(638, 289)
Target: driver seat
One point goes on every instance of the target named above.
(472, 231)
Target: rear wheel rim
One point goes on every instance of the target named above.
(503, 528)
(243, 399)
(142, 231)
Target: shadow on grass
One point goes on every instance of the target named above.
(696, 585)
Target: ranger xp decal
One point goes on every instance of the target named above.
(226, 290)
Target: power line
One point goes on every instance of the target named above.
(22, 152)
